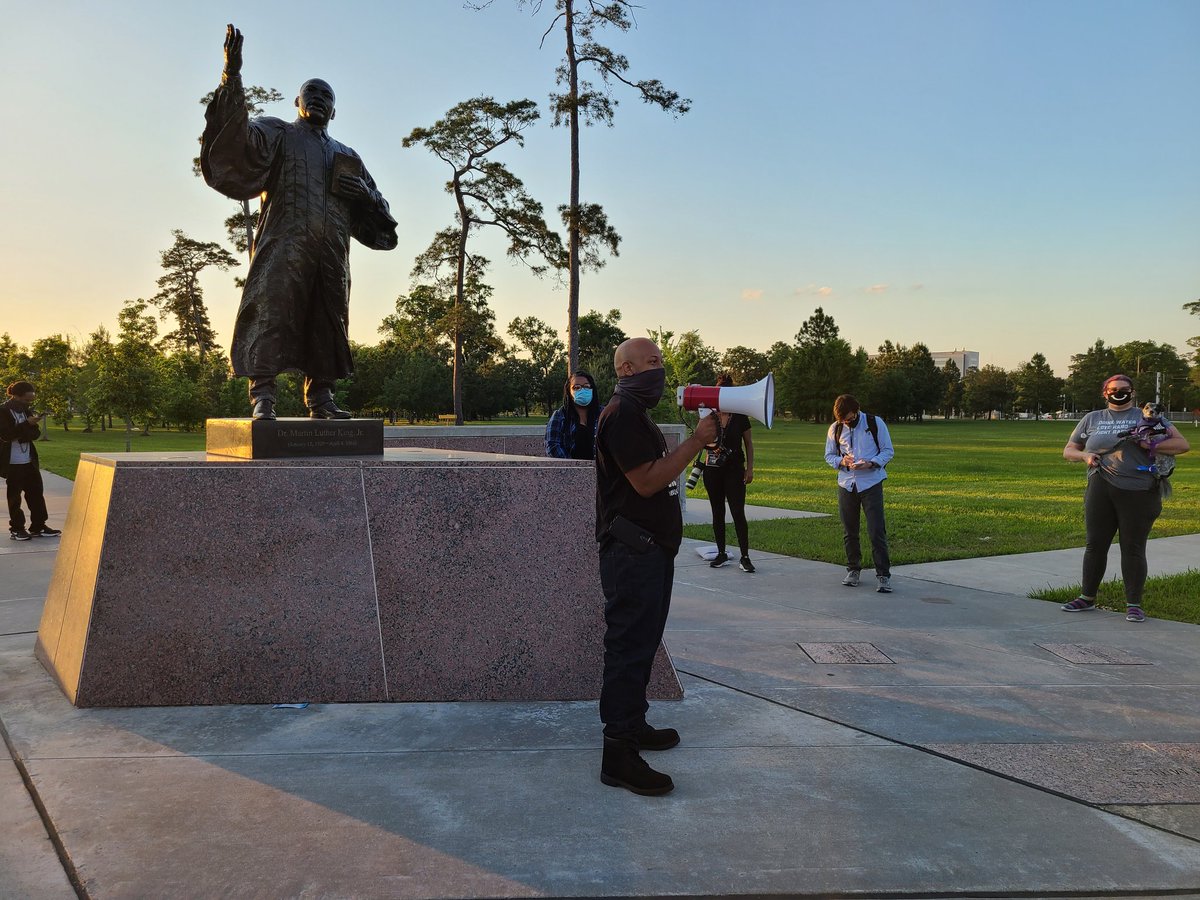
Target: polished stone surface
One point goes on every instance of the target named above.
(294, 437)
(417, 575)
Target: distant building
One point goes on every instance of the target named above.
(964, 359)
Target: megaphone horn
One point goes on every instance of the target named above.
(755, 400)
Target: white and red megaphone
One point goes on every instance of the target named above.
(754, 400)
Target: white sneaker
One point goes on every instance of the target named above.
(851, 579)
(885, 584)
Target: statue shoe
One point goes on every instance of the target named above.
(264, 409)
(328, 410)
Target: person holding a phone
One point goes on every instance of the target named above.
(19, 463)
(639, 527)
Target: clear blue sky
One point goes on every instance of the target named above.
(1010, 177)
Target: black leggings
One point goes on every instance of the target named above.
(1107, 510)
(726, 483)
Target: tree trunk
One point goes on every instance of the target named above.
(128, 434)
(573, 217)
(459, 299)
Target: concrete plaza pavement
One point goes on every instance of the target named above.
(947, 740)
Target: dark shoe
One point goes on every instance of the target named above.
(21, 535)
(623, 767)
(721, 560)
(1134, 614)
(328, 410)
(1079, 604)
(745, 565)
(651, 738)
(45, 531)
(265, 409)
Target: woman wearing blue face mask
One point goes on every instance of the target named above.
(571, 431)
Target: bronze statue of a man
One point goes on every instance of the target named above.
(316, 194)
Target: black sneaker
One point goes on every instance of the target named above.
(623, 767)
(21, 535)
(745, 565)
(721, 560)
(46, 531)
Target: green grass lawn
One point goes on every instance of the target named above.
(60, 454)
(955, 490)
(1166, 597)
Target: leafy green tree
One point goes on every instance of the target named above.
(580, 22)
(1151, 365)
(129, 379)
(485, 193)
(545, 351)
(180, 295)
(1087, 374)
(987, 390)
(1037, 388)
(820, 366)
(600, 335)
(953, 390)
(420, 386)
(99, 344)
(747, 366)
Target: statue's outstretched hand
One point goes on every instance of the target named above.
(233, 52)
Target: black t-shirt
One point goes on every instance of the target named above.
(627, 439)
(583, 439)
(731, 439)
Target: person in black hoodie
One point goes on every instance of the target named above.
(19, 463)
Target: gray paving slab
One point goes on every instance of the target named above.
(29, 865)
(1180, 818)
(698, 511)
(1024, 572)
(291, 805)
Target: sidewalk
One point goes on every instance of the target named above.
(944, 745)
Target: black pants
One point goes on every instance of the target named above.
(26, 478)
(1107, 510)
(637, 598)
(726, 484)
(869, 501)
(315, 392)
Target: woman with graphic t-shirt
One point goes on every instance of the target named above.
(1123, 493)
(726, 480)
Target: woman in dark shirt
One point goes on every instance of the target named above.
(571, 431)
(727, 471)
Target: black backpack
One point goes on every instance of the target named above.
(871, 427)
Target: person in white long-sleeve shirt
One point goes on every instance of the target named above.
(859, 447)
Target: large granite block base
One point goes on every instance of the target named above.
(418, 575)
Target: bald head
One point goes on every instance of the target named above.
(636, 355)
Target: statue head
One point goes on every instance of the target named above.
(316, 102)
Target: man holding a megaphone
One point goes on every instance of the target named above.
(639, 527)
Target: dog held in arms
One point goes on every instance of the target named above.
(1150, 432)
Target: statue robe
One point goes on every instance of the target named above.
(295, 308)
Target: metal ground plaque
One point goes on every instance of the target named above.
(851, 654)
(1092, 655)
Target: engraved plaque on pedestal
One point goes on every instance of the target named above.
(291, 438)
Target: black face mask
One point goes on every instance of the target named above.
(1119, 398)
(644, 387)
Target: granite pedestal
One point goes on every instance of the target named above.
(418, 574)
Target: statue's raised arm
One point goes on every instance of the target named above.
(233, 53)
